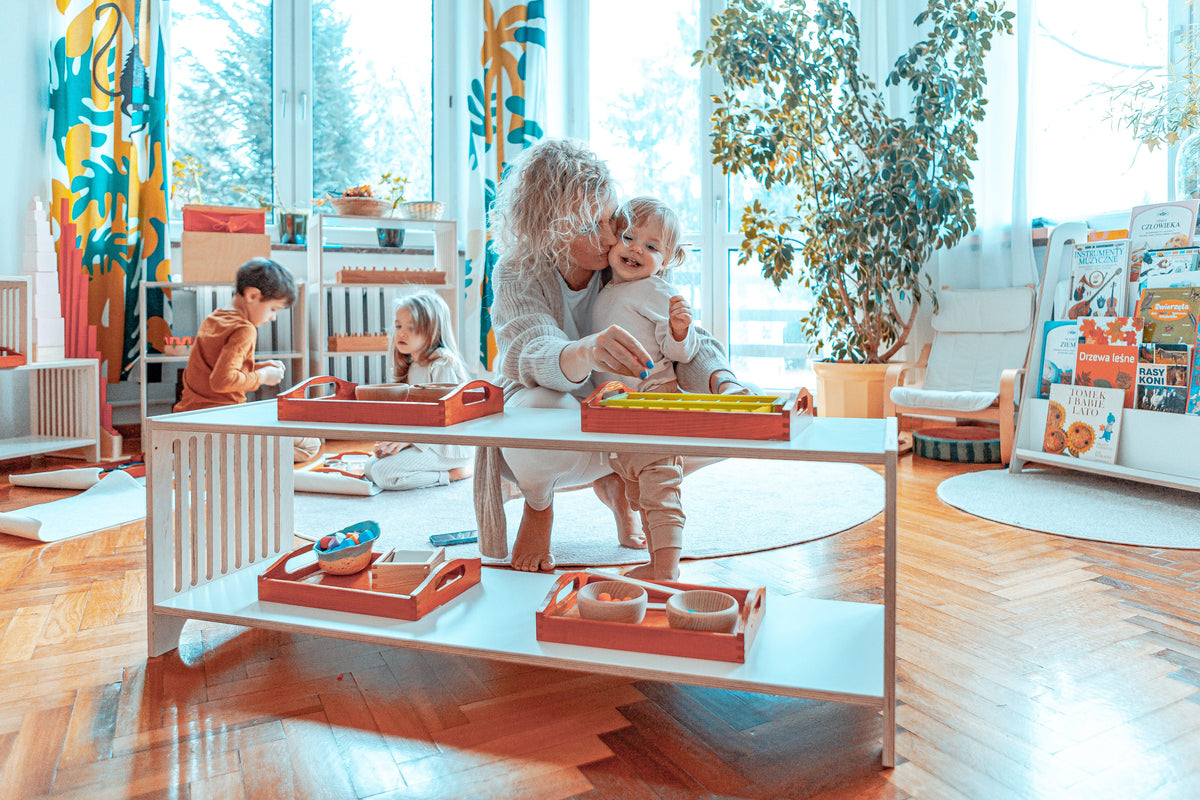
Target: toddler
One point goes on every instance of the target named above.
(422, 350)
(642, 302)
(221, 367)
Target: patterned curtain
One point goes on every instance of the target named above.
(506, 107)
(108, 102)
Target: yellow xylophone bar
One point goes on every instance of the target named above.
(763, 404)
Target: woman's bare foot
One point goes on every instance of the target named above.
(531, 550)
(611, 491)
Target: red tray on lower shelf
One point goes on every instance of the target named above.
(310, 586)
(11, 358)
(558, 620)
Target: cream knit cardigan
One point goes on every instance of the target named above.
(528, 318)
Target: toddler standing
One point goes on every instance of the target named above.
(422, 350)
(642, 302)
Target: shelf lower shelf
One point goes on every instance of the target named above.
(22, 446)
(1113, 470)
(262, 355)
(816, 649)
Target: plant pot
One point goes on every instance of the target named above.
(293, 228)
(849, 390)
(390, 237)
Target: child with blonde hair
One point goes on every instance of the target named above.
(422, 350)
(642, 302)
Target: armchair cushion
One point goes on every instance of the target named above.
(937, 400)
(978, 333)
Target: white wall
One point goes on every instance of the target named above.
(24, 96)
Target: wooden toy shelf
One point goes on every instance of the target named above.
(220, 485)
(1142, 451)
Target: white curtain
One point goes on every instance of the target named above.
(999, 252)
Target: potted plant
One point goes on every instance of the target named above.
(875, 193)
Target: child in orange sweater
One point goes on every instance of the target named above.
(221, 367)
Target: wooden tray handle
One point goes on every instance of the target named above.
(279, 570)
(442, 585)
(344, 389)
(562, 593)
(751, 604)
(802, 403)
(605, 390)
(459, 393)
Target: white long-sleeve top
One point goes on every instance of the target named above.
(641, 307)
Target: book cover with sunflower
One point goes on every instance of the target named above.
(1084, 422)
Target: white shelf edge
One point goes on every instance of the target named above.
(1113, 470)
(21, 446)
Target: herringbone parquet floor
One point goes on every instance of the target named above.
(1030, 666)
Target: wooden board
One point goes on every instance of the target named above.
(364, 275)
(358, 342)
(434, 406)
(558, 620)
(309, 586)
(612, 408)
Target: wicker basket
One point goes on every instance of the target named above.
(361, 206)
(422, 209)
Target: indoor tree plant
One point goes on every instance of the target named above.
(876, 192)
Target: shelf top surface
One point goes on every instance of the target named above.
(866, 441)
(818, 646)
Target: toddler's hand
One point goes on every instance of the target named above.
(271, 375)
(680, 316)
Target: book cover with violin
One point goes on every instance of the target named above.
(1169, 314)
(1097, 287)
(1107, 354)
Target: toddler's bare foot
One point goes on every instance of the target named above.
(458, 473)
(643, 572)
(611, 491)
(531, 550)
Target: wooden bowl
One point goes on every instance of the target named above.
(628, 605)
(361, 206)
(352, 559)
(702, 610)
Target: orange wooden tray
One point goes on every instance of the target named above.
(432, 406)
(11, 358)
(790, 414)
(309, 586)
(558, 620)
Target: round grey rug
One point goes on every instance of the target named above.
(1079, 505)
(732, 506)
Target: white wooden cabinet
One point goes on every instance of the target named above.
(285, 339)
(1152, 446)
(367, 308)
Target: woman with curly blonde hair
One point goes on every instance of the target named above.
(553, 227)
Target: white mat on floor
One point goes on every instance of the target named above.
(733, 506)
(1079, 505)
(116, 500)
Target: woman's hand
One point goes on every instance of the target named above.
(725, 382)
(680, 317)
(611, 350)
(382, 449)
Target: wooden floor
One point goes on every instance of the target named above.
(1030, 666)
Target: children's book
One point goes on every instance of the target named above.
(1107, 354)
(1159, 225)
(1097, 287)
(1175, 266)
(1169, 315)
(1059, 340)
(1193, 403)
(1163, 377)
(1083, 422)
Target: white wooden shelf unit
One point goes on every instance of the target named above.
(64, 395)
(358, 308)
(285, 339)
(220, 513)
(1152, 446)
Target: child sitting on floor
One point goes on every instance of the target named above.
(423, 351)
(221, 367)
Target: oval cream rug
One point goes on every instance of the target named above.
(732, 506)
(1079, 505)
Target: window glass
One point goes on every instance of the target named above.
(1081, 162)
(220, 103)
(372, 94)
(644, 99)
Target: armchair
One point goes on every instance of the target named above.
(981, 340)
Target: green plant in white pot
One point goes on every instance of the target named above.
(876, 193)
